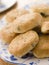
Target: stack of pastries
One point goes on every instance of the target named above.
(27, 31)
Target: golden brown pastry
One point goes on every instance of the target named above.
(12, 15)
(45, 19)
(20, 25)
(42, 48)
(26, 22)
(23, 43)
(45, 27)
(41, 8)
(7, 34)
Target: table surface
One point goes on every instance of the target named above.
(5, 63)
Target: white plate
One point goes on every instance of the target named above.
(26, 60)
(6, 4)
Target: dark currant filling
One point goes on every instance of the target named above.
(27, 55)
(44, 15)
